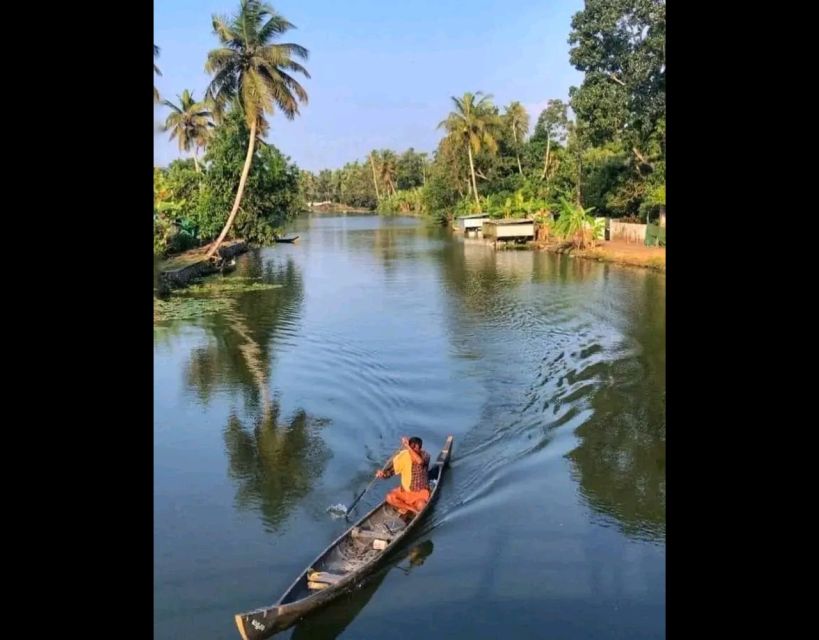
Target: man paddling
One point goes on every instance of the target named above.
(411, 464)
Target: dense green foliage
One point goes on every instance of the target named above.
(604, 149)
(248, 189)
(608, 155)
(190, 208)
(272, 192)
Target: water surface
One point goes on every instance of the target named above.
(549, 372)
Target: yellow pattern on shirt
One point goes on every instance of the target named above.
(402, 463)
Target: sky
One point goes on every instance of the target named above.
(382, 72)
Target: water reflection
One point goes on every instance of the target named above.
(524, 356)
(620, 463)
(242, 341)
(598, 346)
(274, 465)
(470, 272)
(385, 245)
(329, 622)
(575, 270)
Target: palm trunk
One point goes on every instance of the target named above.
(239, 192)
(375, 182)
(546, 163)
(472, 169)
(517, 154)
(195, 161)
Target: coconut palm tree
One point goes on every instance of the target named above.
(472, 125)
(424, 163)
(389, 168)
(375, 178)
(157, 72)
(250, 71)
(518, 120)
(189, 122)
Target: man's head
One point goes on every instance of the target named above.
(416, 443)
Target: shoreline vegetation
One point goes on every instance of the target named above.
(597, 153)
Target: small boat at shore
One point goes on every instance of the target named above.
(344, 563)
(287, 239)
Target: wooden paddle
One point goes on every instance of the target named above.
(372, 482)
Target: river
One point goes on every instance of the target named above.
(549, 371)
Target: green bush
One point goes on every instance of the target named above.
(577, 225)
(271, 198)
(407, 201)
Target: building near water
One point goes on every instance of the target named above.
(509, 230)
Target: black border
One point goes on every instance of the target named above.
(83, 368)
(85, 372)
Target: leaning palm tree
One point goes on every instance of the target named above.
(518, 120)
(157, 72)
(190, 123)
(375, 178)
(250, 71)
(472, 125)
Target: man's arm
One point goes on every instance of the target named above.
(386, 472)
(413, 454)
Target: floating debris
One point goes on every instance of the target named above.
(176, 308)
(212, 296)
(228, 285)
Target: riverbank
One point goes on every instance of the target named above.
(335, 207)
(182, 269)
(616, 252)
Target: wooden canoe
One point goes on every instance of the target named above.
(348, 559)
(338, 614)
(287, 239)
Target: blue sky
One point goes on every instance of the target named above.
(382, 71)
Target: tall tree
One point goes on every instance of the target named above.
(424, 163)
(375, 176)
(271, 196)
(620, 47)
(389, 168)
(472, 125)
(518, 121)
(189, 122)
(250, 71)
(552, 124)
(324, 185)
(410, 170)
(307, 186)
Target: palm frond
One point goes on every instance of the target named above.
(276, 25)
(253, 69)
(293, 49)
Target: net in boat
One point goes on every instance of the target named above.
(350, 555)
